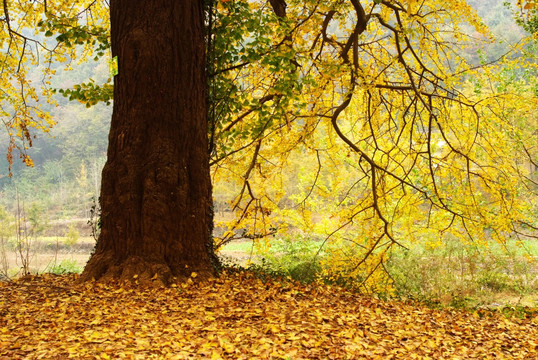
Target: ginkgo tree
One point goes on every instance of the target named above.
(399, 138)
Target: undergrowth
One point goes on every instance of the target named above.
(64, 267)
(454, 275)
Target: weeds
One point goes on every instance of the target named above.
(65, 267)
(4, 265)
(463, 276)
(295, 258)
(22, 240)
(455, 274)
(72, 236)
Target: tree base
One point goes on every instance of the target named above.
(105, 267)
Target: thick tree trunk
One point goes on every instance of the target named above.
(156, 189)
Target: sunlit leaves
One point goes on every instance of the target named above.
(69, 32)
(527, 16)
(368, 130)
(377, 140)
(89, 93)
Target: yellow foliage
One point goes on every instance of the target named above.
(21, 112)
(400, 140)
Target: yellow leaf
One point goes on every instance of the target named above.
(215, 355)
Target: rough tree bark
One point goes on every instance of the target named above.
(156, 199)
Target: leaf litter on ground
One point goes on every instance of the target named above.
(241, 316)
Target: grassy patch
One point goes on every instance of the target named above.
(455, 274)
(466, 276)
(293, 257)
(65, 267)
(243, 245)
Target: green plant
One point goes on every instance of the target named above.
(293, 257)
(23, 241)
(463, 275)
(64, 267)
(6, 230)
(37, 219)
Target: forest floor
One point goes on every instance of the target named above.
(242, 315)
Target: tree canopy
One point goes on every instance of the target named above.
(362, 123)
(399, 137)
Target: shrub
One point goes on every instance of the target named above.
(72, 236)
(293, 257)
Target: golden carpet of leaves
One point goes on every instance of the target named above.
(239, 316)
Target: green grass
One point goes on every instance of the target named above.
(511, 247)
(455, 274)
(243, 245)
(64, 267)
(464, 275)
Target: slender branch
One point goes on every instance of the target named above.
(247, 175)
(262, 101)
(315, 181)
